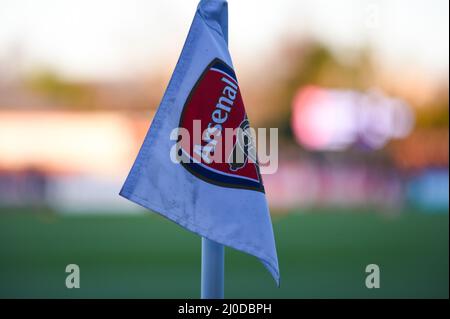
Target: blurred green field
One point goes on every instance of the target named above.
(321, 254)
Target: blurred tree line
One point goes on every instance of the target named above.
(63, 92)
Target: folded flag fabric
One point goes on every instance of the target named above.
(223, 201)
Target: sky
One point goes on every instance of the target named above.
(109, 39)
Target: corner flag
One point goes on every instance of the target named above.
(223, 201)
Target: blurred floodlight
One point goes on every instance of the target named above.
(325, 119)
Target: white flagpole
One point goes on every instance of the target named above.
(213, 254)
(212, 269)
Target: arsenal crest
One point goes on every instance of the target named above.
(219, 147)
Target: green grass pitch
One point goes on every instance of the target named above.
(322, 255)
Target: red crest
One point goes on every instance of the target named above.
(213, 109)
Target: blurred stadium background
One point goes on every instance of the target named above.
(358, 90)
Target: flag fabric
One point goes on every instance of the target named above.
(222, 201)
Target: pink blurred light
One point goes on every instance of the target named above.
(325, 119)
(304, 123)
